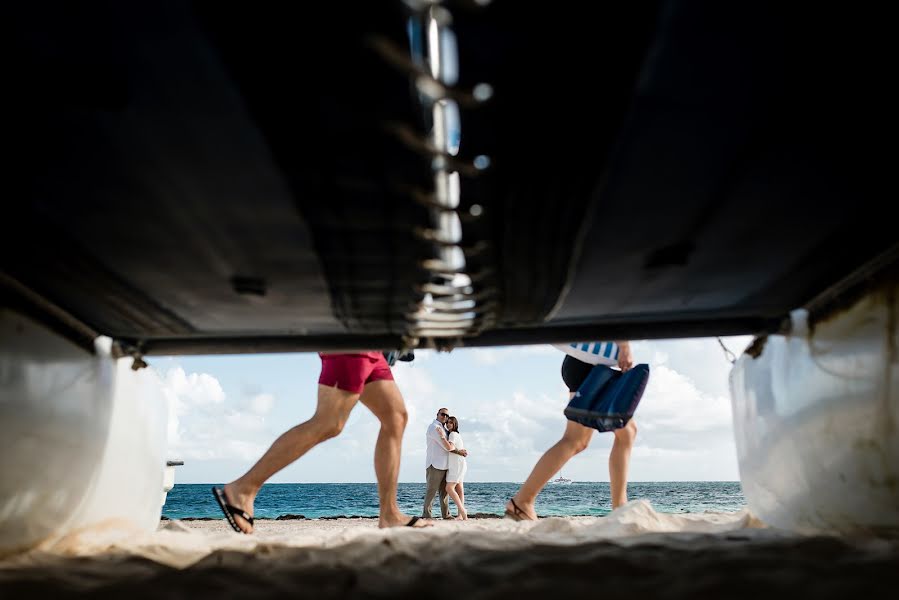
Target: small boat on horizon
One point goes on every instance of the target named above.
(561, 480)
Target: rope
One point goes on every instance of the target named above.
(727, 353)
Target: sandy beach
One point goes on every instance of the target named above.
(632, 553)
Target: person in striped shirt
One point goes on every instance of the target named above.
(580, 359)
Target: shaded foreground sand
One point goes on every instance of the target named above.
(632, 553)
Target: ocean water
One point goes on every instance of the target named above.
(315, 500)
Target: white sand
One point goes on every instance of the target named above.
(180, 544)
(633, 552)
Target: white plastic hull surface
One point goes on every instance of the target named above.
(815, 420)
(82, 437)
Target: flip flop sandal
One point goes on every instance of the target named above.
(230, 510)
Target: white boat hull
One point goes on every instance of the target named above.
(83, 437)
(815, 420)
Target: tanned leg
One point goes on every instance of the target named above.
(383, 398)
(331, 413)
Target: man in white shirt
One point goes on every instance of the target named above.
(437, 464)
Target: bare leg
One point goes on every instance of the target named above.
(460, 489)
(452, 493)
(383, 398)
(331, 413)
(619, 458)
(576, 439)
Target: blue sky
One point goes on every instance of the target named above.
(226, 410)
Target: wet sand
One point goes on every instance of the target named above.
(633, 553)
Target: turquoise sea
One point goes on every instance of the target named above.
(317, 500)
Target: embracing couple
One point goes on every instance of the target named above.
(446, 465)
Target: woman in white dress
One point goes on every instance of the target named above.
(457, 467)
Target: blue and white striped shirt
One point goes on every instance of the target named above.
(592, 353)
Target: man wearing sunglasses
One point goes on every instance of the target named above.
(437, 458)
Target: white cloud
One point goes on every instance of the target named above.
(492, 356)
(485, 356)
(702, 360)
(205, 425)
(196, 389)
(658, 358)
(418, 389)
(421, 356)
(261, 404)
(649, 452)
(683, 428)
(507, 435)
(413, 380)
(672, 401)
(509, 402)
(539, 350)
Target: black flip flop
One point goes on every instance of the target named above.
(412, 521)
(230, 510)
(517, 514)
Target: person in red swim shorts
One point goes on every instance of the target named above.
(345, 380)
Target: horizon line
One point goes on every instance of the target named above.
(424, 482)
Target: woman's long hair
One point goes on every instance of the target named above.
(455, 423)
